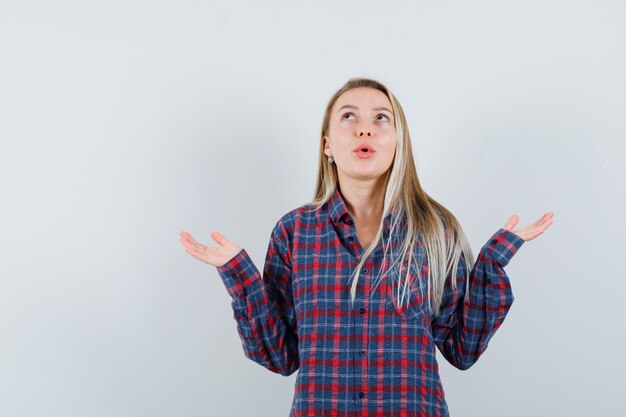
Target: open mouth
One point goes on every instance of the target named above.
(364, 148)
(364, 152)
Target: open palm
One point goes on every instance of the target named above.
(532, 230)
(207, 254)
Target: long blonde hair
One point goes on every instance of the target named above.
(427, 221)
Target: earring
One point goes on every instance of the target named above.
(331, 159)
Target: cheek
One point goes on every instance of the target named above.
(390, 146)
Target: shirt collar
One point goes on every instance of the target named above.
(338, 210)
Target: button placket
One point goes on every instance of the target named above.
(363, 352)
(346, 220)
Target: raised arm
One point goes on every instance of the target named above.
(263, 305)
(464, 327)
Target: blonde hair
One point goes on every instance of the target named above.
(428, 223)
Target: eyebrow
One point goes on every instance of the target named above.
(351, 106)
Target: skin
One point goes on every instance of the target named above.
(362, 181)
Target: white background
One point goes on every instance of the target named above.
(123, 123)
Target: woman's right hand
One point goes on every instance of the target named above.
(212, 256)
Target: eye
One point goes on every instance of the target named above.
(383, 115)
(346, 114)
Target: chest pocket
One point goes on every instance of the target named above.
(417, 304)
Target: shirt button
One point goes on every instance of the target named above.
(351, 238)
(361, 394)
(349, 222)
(362, 311)
(362, 353)
(494, 241)
(365, 271)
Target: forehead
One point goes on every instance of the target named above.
(364, 98)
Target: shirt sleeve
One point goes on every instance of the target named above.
(465, 325)
(263, 305)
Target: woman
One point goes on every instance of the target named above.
(363, 282)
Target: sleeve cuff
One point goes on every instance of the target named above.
(237, 273)
(503, 245)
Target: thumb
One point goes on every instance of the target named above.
(219, 238)
(510, 224)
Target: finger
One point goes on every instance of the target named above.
(219, 238)
(543, 218)
(537, 233)
(546, 224)
(533, 233)
(192, 244)
(547, 216)
(510, 224)
(201, 256)
(546, 220)
(186, 237)
(543, 221)
(195, 253)
(199, 247)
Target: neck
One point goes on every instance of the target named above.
(364, 198)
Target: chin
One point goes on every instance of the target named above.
(365, 175)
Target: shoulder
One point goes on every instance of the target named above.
(304, 214)
(286, 226)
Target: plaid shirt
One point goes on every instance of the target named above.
(373, 358)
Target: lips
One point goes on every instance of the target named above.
(364, 148)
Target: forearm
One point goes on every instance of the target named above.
(268, 335)
(465, 335)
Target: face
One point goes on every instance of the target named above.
(361, 117)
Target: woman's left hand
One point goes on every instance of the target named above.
(532, 230)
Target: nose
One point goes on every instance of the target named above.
(364, 131)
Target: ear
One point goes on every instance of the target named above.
(326, 146)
